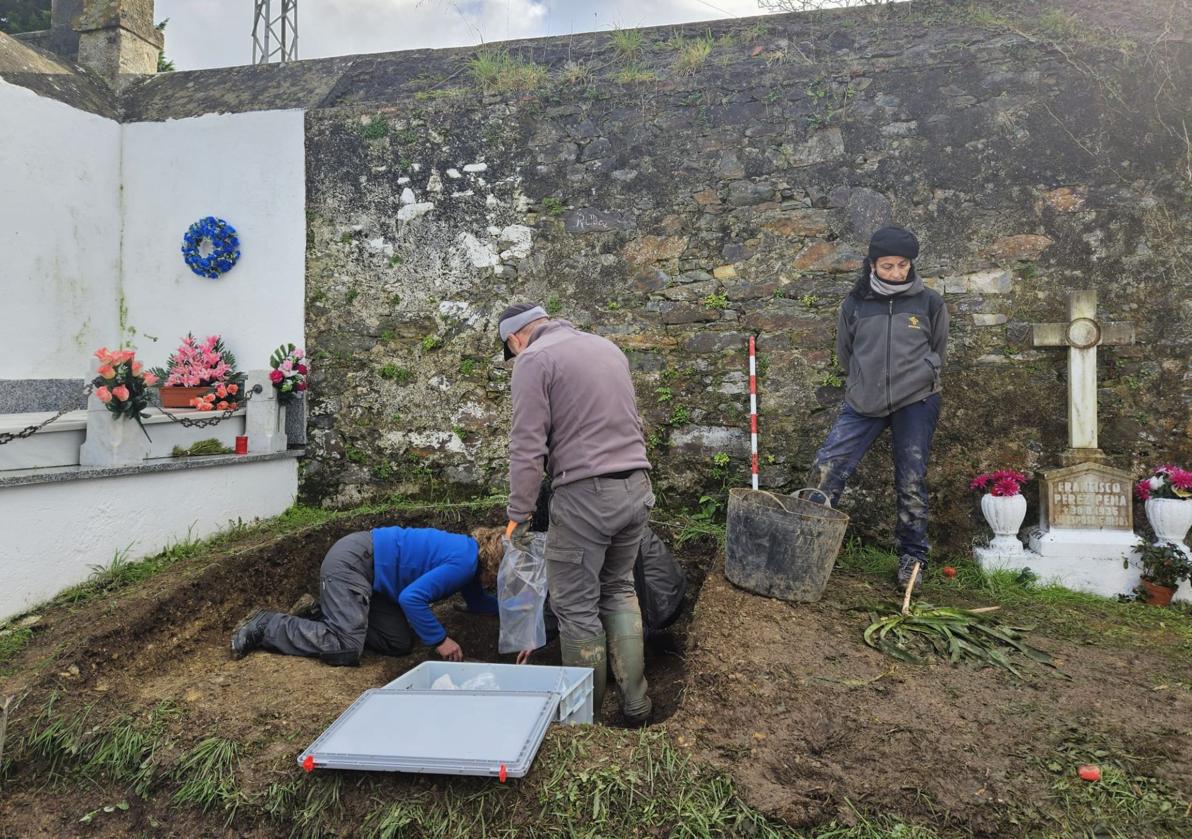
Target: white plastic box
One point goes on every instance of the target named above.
(572, 684)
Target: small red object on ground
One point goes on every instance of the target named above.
(309, 763)
(949, 571)
(502, 774)
(242, 444)
(1089, 772)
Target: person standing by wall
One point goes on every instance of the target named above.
(891, 341)
(574, 405)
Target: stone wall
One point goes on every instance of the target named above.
(709, 184)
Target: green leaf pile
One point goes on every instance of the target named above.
(954, 634)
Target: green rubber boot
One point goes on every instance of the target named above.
(589, 652)
(624, 631)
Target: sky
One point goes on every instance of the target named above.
(218, 33)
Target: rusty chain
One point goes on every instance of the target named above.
(186, 422)
(7, 437)
(205, 422)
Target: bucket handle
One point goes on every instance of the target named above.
(827, 502)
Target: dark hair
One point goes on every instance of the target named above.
(861, 286)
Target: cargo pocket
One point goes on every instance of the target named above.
(566, 580)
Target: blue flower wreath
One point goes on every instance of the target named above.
(225, 247)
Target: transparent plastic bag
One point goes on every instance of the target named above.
(521, 596)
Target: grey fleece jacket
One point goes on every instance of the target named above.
(574, 403)
(892, 348)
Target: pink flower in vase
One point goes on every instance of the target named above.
(150, 379)
(103, 394)
(276, 376)
(1004, 487)
(120, 392)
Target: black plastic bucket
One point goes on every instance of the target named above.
(782, 546)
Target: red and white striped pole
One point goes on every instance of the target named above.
(753, 409)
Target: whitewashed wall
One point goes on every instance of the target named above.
(56, 534)
(59, 235)
(248, 169)
(92, 215)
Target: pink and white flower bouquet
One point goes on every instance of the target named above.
(290, 371)
(1165, 482)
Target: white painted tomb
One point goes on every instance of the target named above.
(1085, 538)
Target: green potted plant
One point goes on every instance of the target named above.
(1164, 566)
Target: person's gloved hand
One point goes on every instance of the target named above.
(518, 533)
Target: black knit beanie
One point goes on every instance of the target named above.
(893, 241)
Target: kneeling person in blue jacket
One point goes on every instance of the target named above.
(375, 591)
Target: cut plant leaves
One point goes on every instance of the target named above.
(957, 635)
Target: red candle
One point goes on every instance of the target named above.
(242, 444)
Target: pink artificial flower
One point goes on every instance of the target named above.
(150, 379)
(233, 389)
(209, 398)
(302, 369)
(197, 403)
(287, 365)
(302, 385)
(1142, 489)
(1004, 486)
(276, 376)
(107, 371)
(136, 368)
(221, 391)
(120, 392)
(103, 394)
(299, 353)
(223, 406)
(102, 354)
(979, 482)
(124, 355)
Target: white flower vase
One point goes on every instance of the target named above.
(1004, 514)
(1170, 518)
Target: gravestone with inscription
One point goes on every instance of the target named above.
(1085, 534)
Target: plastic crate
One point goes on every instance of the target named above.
(572, 684)
(459, 732)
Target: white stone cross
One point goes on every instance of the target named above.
(1082, 334)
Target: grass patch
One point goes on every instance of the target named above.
(495, 70)
(576, 74)
(207, 775)
(693, 53)
(633, 73)
(122, 748)
(1126, 802)
(628, 43)
(12, 641)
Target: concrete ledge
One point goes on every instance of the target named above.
(58, 474)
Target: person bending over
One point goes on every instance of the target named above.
(375, 591)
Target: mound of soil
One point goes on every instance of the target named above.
(811, 723)
(167, 640)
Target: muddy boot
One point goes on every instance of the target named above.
(588, 652)
(624, 630)
(248, 634)
(906, 567)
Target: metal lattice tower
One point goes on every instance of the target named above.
(274, 38)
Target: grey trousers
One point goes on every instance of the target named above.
(595, 527)
(354, 617)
